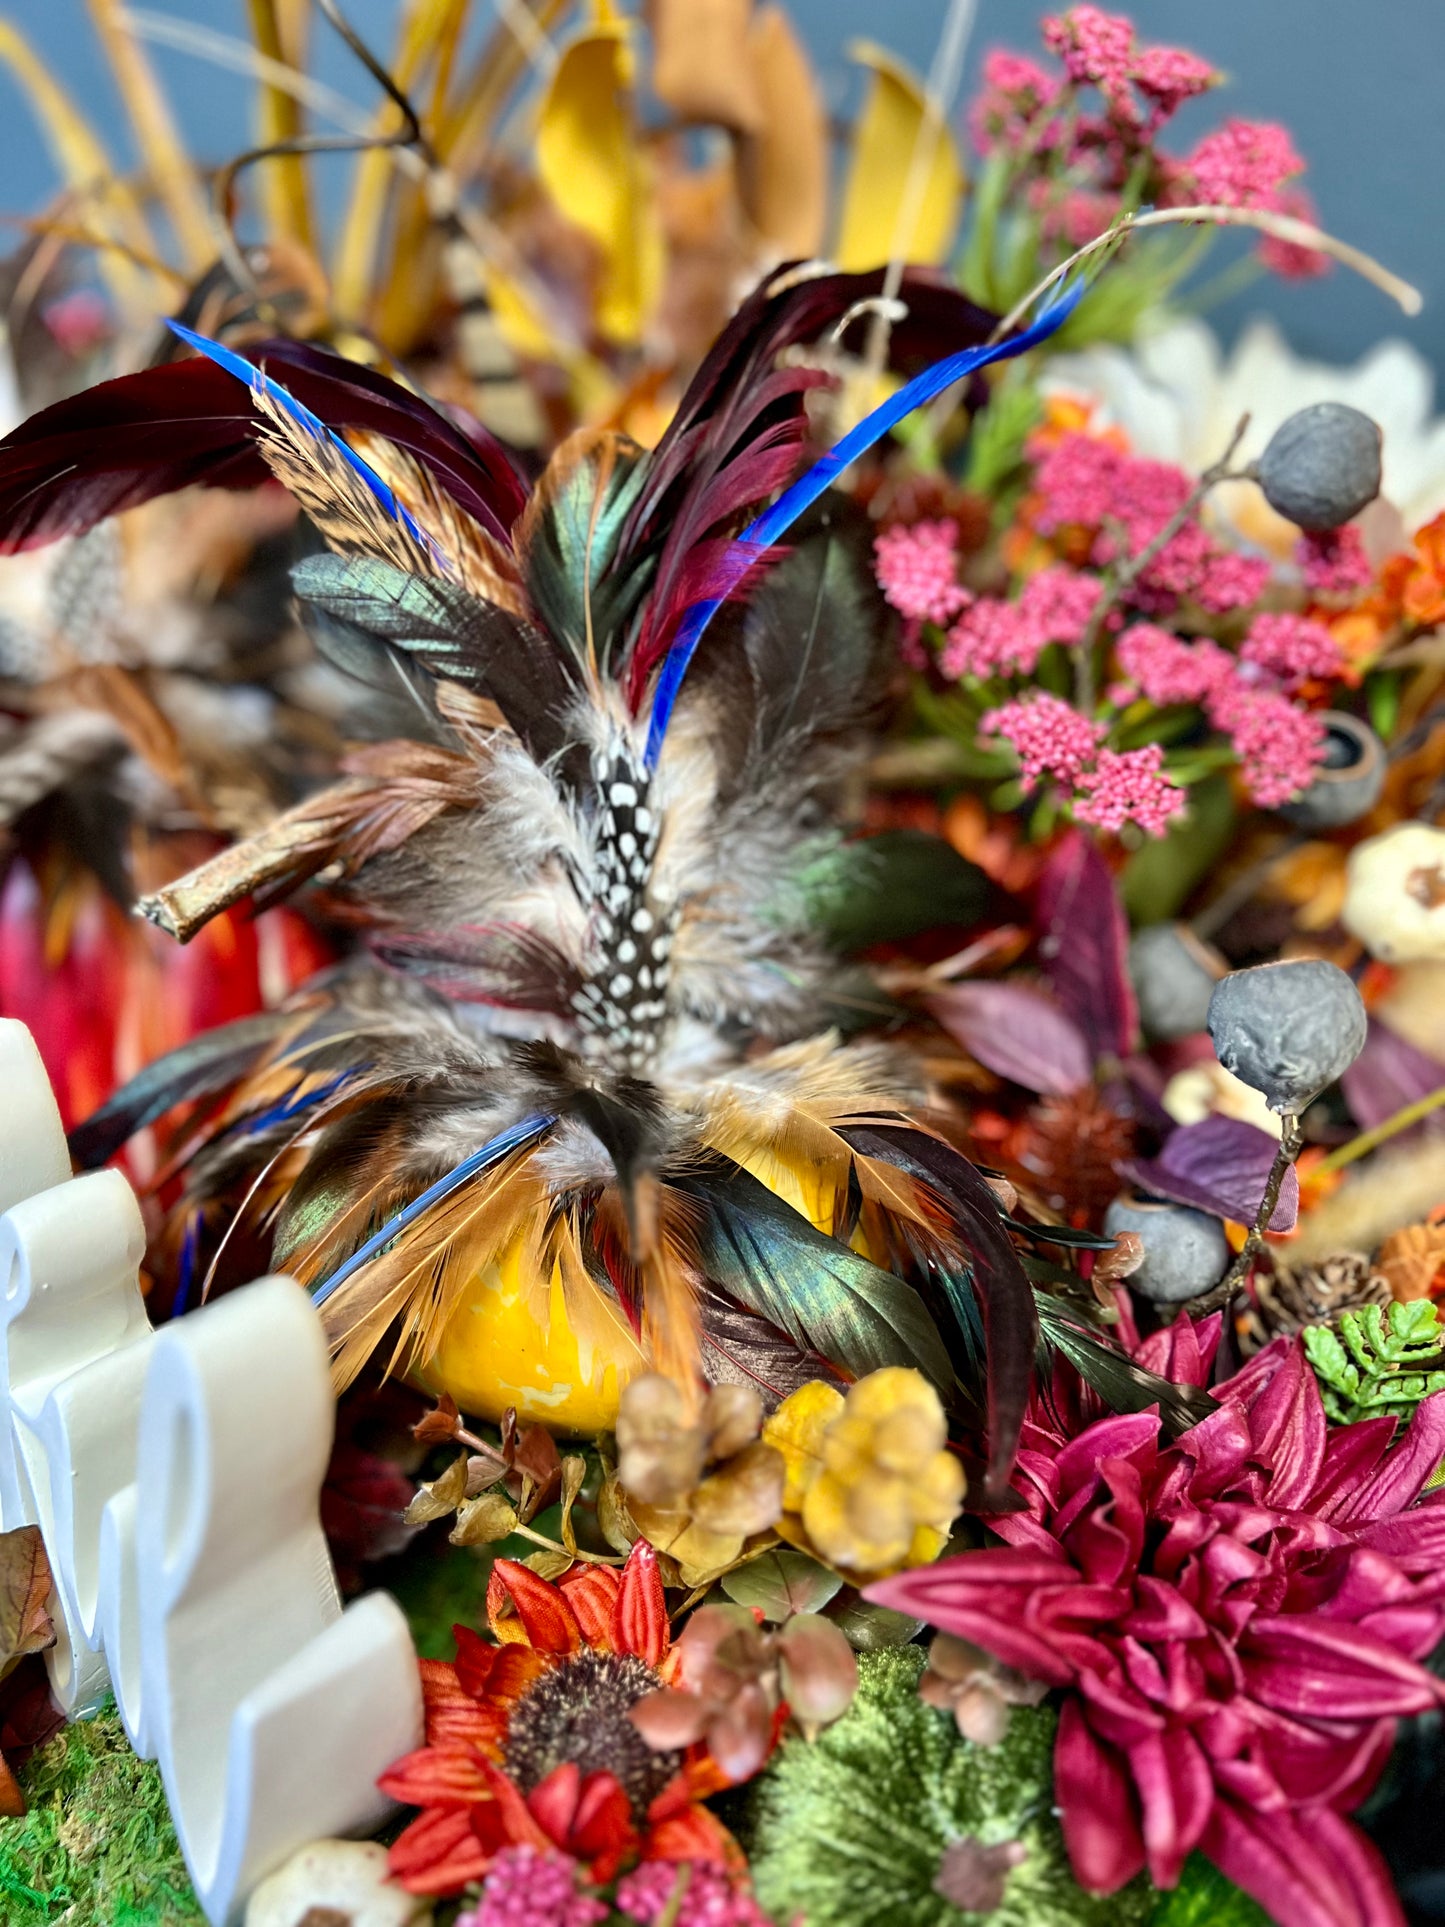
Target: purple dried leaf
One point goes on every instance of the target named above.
(1017, 1032)
(1084, 946)
(1388, 1074)
(1220, 1165)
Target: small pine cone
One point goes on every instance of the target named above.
(1309, 1295)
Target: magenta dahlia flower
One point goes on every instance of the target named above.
(1238, 1619)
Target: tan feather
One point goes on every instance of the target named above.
(394, 790)
(335, 497)
(481, 563)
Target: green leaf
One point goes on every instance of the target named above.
(781, 1583)
(892, 886)
(869, 1628)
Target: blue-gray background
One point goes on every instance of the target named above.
(1358, 83)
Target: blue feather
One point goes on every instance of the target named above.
(260, 383)
(492, 1152)
(760, 535)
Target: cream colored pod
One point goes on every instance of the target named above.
(1395, 894)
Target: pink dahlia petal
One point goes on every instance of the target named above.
(1288, 1423)
(1306, 1875)
(1176, 1789)
(1407, 1470)
(1097, 1807)
(1321, 1669)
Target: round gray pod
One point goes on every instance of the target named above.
(1173, 974)
(1321, 465)
(1287, 1029)
(1185, 1252)
(1349, 780)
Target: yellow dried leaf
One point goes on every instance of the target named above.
(796, 1430)
(574, 1471)
(905, 175)
(592, 164)
(783, 162)
(88, 170)
(442, 1496)
(483, 1521)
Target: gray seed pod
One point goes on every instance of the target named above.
(1174, 975)
(1185, 1252)
(1288, 1029)
(1349, 780)
(1321, 465)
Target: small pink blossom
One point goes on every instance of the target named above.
(1075, 481)
(1129, 786)
(1168, 669)
(1292, 649)
(1048, 736)
(1230, 580)
(1334, 561)
(990, 638)
(709, 1900)
(531, 1887)
(917, 571)
(1015, 91)
(1242, 164)
(1058, 603)
(1170, 76)
(1278, 744)
(1096, 48)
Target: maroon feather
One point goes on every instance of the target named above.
(737, 432)
(148, 434)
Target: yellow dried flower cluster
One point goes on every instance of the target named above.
(869, 1473)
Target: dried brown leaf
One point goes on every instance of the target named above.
(25, 1587)
(439, 1425)
(700, 61)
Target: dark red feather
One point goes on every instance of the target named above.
(735, 438)
(148, 434)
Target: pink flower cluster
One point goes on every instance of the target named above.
(1111, 788)
(710, 1898)
(1278, 743)
(528, 1887)
(1334, 562)
(1048, 735)
(917, 569)
(1129, 786)
(1292, 649)
(1238, 1622)
(1242, 164)
(993, 637)
(1099, 49)
(1084, 482)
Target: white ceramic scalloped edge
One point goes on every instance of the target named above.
(175, 1475)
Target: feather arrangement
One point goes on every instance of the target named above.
(575, 1110)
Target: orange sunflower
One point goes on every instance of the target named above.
(528, 1741)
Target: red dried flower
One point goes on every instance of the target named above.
(529, 1744)
(1238, 1618)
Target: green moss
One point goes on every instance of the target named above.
(97, 1848)
(849, 1831)
(1204, 1898)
